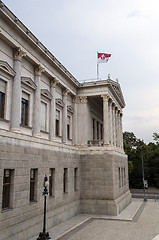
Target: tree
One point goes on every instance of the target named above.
(132, 147)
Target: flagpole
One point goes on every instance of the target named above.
(97, 67)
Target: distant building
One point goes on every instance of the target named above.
(52, 124)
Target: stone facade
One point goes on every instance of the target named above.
(50, 124)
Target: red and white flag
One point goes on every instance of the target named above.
(103, 57)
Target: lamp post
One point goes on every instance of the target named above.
(44, 235)
(145, 198)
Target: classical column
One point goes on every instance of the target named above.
(74, 123)
(83, 121)
(54, 81)
(16, 93)
(113, 121)
(64, 116)
(105, 119)
(116, 127)
(110, 124)
(121, 131)
(37, 101)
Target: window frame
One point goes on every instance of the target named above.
(65, 180)
(33, 185)
(25, 109)
(9, 186)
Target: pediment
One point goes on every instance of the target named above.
(46, 93)
(115, 87)
(70, 109)
(5, 67)
(29, 82)
(60, 102)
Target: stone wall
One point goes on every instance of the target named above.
(25, 219)
(102, 189)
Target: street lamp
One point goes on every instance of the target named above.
(44, 235)
(145, 198)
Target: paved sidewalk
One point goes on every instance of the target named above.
(60, 230)
(139, 221)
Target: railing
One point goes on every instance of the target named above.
(91, 80)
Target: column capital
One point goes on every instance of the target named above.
(75, 99)
(18, 54)
(83, 99)
(105, 97)
(54, 82)
(39, 70)
(65, 92)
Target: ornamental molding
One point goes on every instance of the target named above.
(29, 82)
(18, 54)
(116, 90)
(46, 93)
(70, 109)
(5, 67)
(60, 102)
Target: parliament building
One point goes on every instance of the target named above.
(52, 124)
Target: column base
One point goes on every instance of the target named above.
(37, 135)
(16, 130)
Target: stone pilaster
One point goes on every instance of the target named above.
(37, 102)
(74, 123)
(105, 119)
(16, 94)
(64, 116)
(53, 84)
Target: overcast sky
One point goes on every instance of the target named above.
(74, 30)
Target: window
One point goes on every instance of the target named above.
(7, 182)
(65, 180)
(68, 127)
(33, 185)
(57, 123)
(52, 182)
(24, 109)
(43, 116)
(75, 179)
(2, 98)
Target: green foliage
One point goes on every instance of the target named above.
(132, 147)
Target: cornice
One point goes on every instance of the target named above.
(46, 93)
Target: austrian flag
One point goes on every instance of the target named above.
(103, 57)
